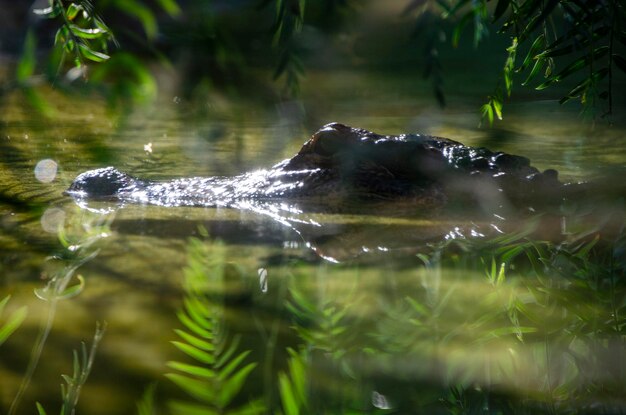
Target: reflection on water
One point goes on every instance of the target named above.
(274, 309)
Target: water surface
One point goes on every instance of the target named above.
(382, 315)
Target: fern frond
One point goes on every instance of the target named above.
(218, 373)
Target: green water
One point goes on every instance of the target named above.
(379, 316)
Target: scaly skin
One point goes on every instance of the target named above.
(341, 164)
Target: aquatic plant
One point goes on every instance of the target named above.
(218, 373)
(565, 302)
(14, 320)
(78, 240)
(293, 383)
(81, 369)
(321, 326)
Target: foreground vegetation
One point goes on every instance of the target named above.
(511, 325)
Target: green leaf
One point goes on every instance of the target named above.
(73, 290)
(192, 370)
(583, 252)
(143, 14)
(72, 11)
(254, 407)
(146, 405)
(197, 354)
(38, 102)
(193, 326)
(546, 10)
(232, 365)
(196, 342)
(26, 64)
(3, 303)
(170, 7)
(40, 409)
(224, 357)
(199, 312)
(196, 388)
(189, 408)
(14, 321)
(61, 35)
(49, 12)
(95, 33)
(297, 373)
(233, 385)
(512, 253)
(92, 55)
(458, 29)
(577, 65)
(67, 379)
(487, 112)
(535, 70)
(287, 396)
(501, 274)
(536, 46)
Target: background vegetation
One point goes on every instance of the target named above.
(233, 46)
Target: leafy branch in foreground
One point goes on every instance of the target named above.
(288, 23)
(581, 41)
(81, 369)
(14, 320)
(218, 374)
(82, 34)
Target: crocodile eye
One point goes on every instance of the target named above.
(328, 141)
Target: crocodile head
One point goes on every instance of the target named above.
(107, 182)
(351, 161)
(357, 162)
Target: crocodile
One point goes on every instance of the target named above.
(340, 164)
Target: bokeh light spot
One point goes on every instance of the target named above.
(46, 170)
(52, 219)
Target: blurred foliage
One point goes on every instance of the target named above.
(289, 20)
(577, 42)
(218, 373)
(77, 239)
(81, 368)
(83, 39)
(293, 384)
(14, 320)
(580, 40)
